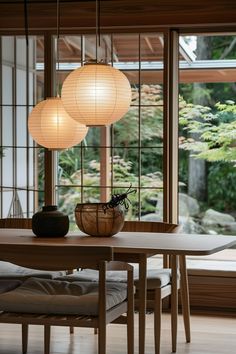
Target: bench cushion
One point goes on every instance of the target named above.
(8, 285)
(12, 271)
(60, 297)
(156, 278)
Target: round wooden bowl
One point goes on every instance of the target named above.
(95, 220)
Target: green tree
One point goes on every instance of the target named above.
(216, 144)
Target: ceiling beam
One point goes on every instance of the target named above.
(118, 13)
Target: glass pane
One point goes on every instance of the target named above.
(207, 134)
(151, 205)
(21, 126)
(31, 203)
(8, 49)
(31, 166)
(39, 77)
(22, 203)
(126, 48)
(126, 167)
(126, 130)
(18, 162)
(21, 168)
(31, 92)
(20, 51)
(7, 85)
(32, 62)
(151, 76)
(69, 166)
(91, 194)
(7, 125)
(152, 173)
(7, 167)
(7, 197)
(151, 126)
(21, 87)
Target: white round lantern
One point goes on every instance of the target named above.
(96, 94)
(51, 126)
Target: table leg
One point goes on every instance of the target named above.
(185, 296)
(174, 301)
(142, 301)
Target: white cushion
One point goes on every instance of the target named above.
(156, 278)
(60, 297)
(13, 271)
(8, 285)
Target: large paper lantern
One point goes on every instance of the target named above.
(96, 94)
(51, 126)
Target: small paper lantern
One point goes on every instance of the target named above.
(96, 94)
(51, 126)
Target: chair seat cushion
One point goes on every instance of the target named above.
(12, 271)
(8, 285)
(156, 278)
(60, 297)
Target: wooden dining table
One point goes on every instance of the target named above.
(133, 247)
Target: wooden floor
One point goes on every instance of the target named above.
(210, 335)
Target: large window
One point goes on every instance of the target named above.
(110, 160)
(19, 185)
(207, 134)
(129, 153)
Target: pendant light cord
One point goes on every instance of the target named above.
(26, 23)
(98, 27)
(57, 49)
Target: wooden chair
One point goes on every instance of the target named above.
(14, 272)
(159, 284)
(15, 223)
(68, 311)
(20, 273)
(155, 295)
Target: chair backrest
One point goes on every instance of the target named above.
(148, 226)
(55, 257)
(15, 223)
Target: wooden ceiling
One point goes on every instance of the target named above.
(116, 15)
(77, 14)
(126, 53)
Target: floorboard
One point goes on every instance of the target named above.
(210, 335)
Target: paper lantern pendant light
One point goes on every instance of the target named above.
(51, 126)
(96, 94)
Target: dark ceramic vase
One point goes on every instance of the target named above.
(50, 222)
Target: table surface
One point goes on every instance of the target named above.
(129, 242)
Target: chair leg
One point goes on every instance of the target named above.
(184, 289)
(71, 330)
(47, 332)
(157, 320)
(25, 328)
(174, 302)
(130, 316)
(102, 339)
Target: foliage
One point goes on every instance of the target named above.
(216, 131)
(214, 142)
(70, 196)
(221, 186)
(80, 165)
(150, 129)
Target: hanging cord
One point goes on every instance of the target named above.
(26, 23)
(98, 27)
(57, 49)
